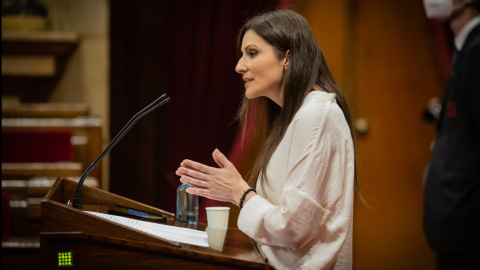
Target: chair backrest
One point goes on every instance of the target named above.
(36, 146)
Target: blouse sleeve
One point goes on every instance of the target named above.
(316, 201)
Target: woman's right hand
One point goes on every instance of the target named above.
(222, 184)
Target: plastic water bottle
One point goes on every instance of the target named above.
(187, 206)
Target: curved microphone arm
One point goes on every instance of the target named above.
(78, 200)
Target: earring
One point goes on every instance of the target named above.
(285, 69)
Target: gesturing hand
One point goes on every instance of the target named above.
(222, 184)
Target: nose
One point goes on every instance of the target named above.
(241, 67)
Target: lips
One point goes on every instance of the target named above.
(247, 81)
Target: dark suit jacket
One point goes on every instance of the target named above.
(452, 191)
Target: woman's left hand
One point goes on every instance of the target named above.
(222, 184)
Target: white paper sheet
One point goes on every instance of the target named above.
(170, 233)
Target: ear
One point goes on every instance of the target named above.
(286, 60)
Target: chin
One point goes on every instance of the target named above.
(250, 94)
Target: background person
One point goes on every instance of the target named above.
(452, 191)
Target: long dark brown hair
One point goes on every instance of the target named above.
(289, 32)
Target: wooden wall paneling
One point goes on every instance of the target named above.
(394, 76)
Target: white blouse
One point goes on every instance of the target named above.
(304, 217)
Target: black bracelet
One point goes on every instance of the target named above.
(245, 195)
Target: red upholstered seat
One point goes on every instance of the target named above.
(36, 146)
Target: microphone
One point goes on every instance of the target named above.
(78, 200)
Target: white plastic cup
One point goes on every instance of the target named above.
(217, 217)
(216, 237)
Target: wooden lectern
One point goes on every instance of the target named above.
(72, 238)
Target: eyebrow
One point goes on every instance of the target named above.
(249, 45)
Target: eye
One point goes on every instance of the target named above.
(252, 53)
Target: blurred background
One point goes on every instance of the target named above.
(74, 72)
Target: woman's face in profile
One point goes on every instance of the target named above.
(261, 69)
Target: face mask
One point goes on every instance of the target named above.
(442, 9)
(438, 9)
